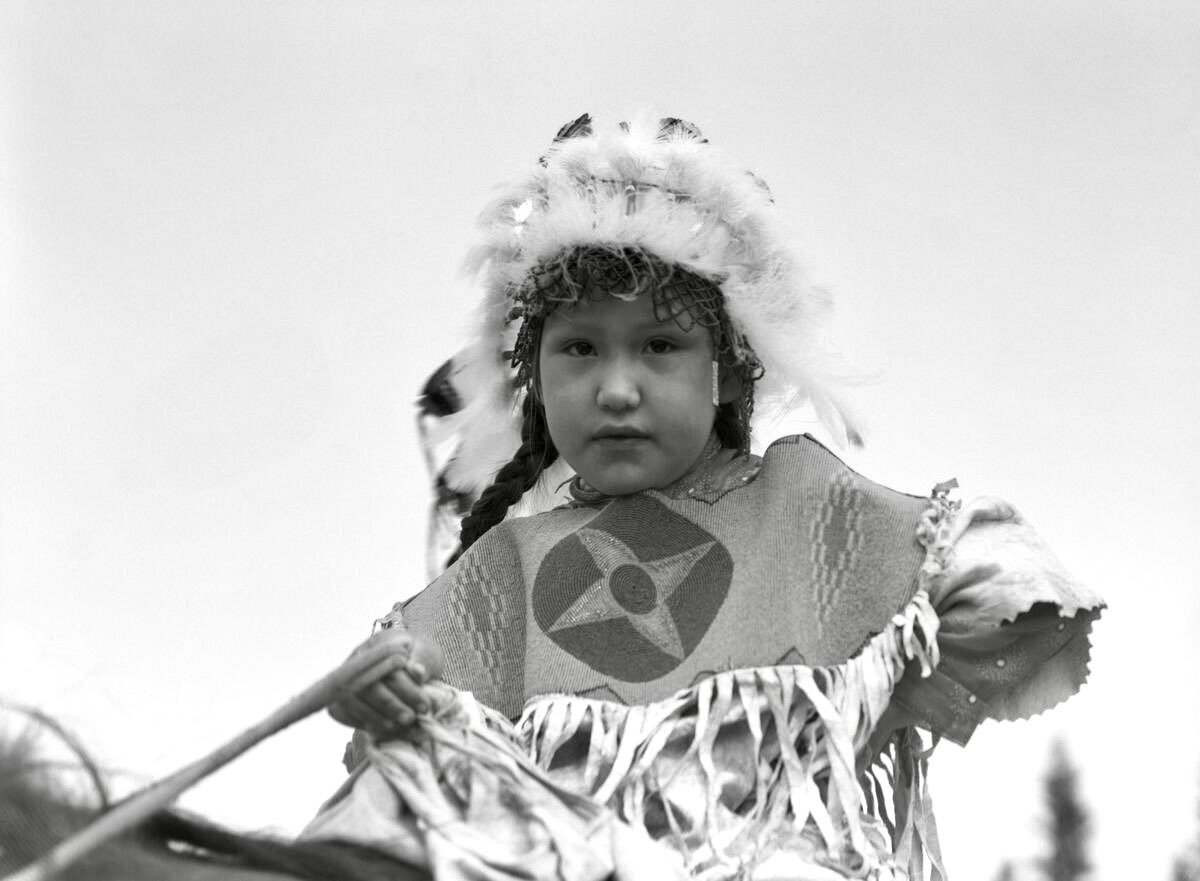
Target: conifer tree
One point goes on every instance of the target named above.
(1186, 868)
(1187, 864)
(1067, 823)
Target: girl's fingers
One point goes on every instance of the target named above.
(402, 687)
(364, 714)
(416, 671)
(388, 695)
(338, 712)
(351, 711)
(385, 705)
(376, 673)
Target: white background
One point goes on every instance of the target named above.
(230, 235)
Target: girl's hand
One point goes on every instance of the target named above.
(387, 698)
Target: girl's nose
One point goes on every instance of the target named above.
(618, 389)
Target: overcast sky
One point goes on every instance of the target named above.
(230, 236)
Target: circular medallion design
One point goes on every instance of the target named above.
(634, 589)
(632, 593)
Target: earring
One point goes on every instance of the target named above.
(716, 384)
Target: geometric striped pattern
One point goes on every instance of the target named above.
(837, 539)
(486, 615)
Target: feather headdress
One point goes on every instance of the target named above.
(660, 188)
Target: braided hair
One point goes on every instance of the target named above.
(535, 455)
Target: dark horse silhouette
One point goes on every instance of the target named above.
(42, 803)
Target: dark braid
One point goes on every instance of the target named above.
(732, 431)
(535, 455)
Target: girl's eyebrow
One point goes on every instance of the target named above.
(585, 322)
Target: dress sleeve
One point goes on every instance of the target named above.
(1014, 625)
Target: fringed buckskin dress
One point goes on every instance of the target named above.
(725, 679)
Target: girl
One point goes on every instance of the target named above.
(716, 660)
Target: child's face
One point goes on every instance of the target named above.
(628, 398)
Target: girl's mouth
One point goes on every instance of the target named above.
(620, 433)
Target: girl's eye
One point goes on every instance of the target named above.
(579, 348)
(660, 346)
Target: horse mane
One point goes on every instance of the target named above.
(37, 806)
(42, 802)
